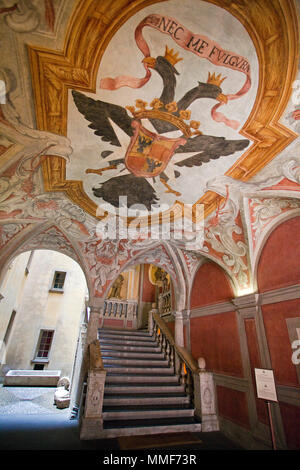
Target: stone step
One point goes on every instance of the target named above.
(115, 428)
(123, 338)
(140, 379)
(123, 389)
(139, 370)
(167, 412)
(120, 347)
(144, 400)
(142, 394)
(131, 354)
(135, 362)
(120, 342)
(123, 332)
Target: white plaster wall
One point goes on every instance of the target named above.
(41, 309)
(11, 289)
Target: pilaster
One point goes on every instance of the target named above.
(181, 319)
(249, 307)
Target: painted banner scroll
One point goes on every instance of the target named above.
(200, 45)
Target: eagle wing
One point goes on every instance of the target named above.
(98, 113)
(136, 189)
(209, 148)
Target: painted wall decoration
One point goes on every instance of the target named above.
(157, 138)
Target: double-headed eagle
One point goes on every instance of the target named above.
(146, 152)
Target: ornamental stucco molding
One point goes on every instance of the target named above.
(22, 16)
(50, 239)
(264, 211)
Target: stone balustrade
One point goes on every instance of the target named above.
(120, 313)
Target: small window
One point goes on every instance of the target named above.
(44, 344)
(58, 280)
(39, 367)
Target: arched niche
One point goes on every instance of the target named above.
(278, 265)
(210, 285)
(134, 292)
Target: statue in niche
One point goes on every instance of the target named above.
(162, 280)
(115, 292)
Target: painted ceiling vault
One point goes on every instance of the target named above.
(138, 113)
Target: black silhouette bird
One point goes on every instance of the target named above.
(103, 117)
(168, 74)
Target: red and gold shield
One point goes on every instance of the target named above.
(148, 154)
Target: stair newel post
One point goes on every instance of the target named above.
(94, 316)
(91, 425)
(205, 398)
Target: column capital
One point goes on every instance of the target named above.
(182, 314)
(96, 305)
(94, 309)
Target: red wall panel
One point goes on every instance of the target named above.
(232, 405)
(171, 326)
(291, 418)
(216, 338)
(113, 323)
(210, 286)
(274, 316)
(279, 264)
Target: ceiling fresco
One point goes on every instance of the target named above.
(173, 90)
(165, 103)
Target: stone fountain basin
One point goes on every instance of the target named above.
(30, 378)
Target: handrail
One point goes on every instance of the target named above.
(95, 356)
(182, 352)
(179, 358)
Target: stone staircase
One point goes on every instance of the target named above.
(142, 394)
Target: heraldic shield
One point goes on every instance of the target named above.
(148, 154)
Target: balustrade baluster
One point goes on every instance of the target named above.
(183, 374)
(163, 344)
(168, 350)
(190, 386)
(109, 308)
(172, 356)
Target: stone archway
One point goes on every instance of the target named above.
(42, 314)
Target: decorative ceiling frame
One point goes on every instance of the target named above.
(272, 26)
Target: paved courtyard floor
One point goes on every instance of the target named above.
(29, 401)
(30, 422)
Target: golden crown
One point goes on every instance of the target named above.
(139, 111)
(171, 57)
(215, 79)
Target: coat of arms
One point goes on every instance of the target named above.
(154, 141)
